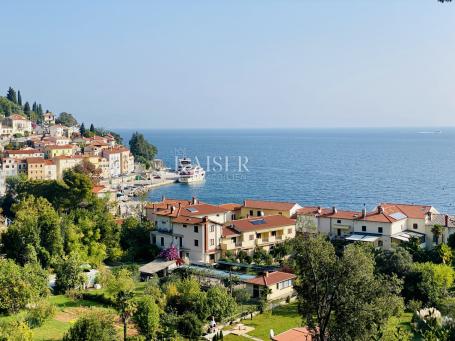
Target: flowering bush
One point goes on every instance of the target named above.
(170, 253)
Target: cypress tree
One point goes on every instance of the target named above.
(92, 128)
(27, 109)
(82, 129)
(34, 107)
(40, 110)
(19, 98)
(11, 95)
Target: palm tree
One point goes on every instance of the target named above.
(437, 232)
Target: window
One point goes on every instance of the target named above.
(280, 213)
(380, 243)
(196, 229)
(181, 242)
(338, 221)
(289, 231)
(184, 225)
(284, 284)
(212, 242)
(162, 241)
(196, 242)
(415, 226)
(379, 229)
(258, 235)
(163, 222)
(251, 213)
(364, 228)
(258, 213)
(273, 233)
(212, 228)
(251, 236)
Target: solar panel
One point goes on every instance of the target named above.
(398, 216)
(192, 209)
(258, 222)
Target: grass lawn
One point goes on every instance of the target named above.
(280, 319)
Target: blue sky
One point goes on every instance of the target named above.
(234, 63)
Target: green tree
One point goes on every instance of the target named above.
(390, 262)
(39, 111)
(429, 282)
(11, 95)
(92, 128)
(143, 151)
(444, 253)
(220, 303)
(19, 98)
(36, 224)
(437, 231)
(341, 296)
(126, 307)
(18, 286)
(135, 240)
(63, 118)
(7, 107)
(190, 326)
(82, 129)
(147, 317)
(69, 275)
(27, 110)
(97, 325)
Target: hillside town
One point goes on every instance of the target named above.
(77, 226)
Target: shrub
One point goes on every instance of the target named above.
(39, 313)
(97, 325)
(414, 305)
(190, 326)
(147, 317)
(15, 331)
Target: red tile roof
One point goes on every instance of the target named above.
(231, 206)
(271, 278)
(261, 223)
(269, 205)
(98, 189)
(201, 209)
(22, 151)
(229, 232)
(35, 160)
(295, 334)
(411, 211)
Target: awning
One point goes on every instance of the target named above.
(362, 238)
(156, 266)
(405, 236)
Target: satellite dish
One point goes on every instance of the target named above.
(272, 333)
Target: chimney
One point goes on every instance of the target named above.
(319, 210)
(172, 209)
(446, 220)
(205, 219)
(163, 198)
(334, 210)
(266, 274)
(364, 212)
(380, 209)
(194, 201)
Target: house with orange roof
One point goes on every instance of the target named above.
(17, 124)
(276, 285)
(256, 232)
(60, 150)
(295, 334)
(259, 208)
(193, 227)
(388, 225)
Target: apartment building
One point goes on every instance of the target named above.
(23, 153)
(259, 208)
(53, 151)
(257, 232)
(64, 162)
(388, 225)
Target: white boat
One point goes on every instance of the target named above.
(189, 173)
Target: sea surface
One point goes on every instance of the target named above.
(346, 168)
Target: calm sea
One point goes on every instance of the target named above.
(346, 168)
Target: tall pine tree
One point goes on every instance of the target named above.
(34, 107)
(11, 95)
(82, 129)
(40, 110)
(27, 110)
(19, 98)
(92, 128)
